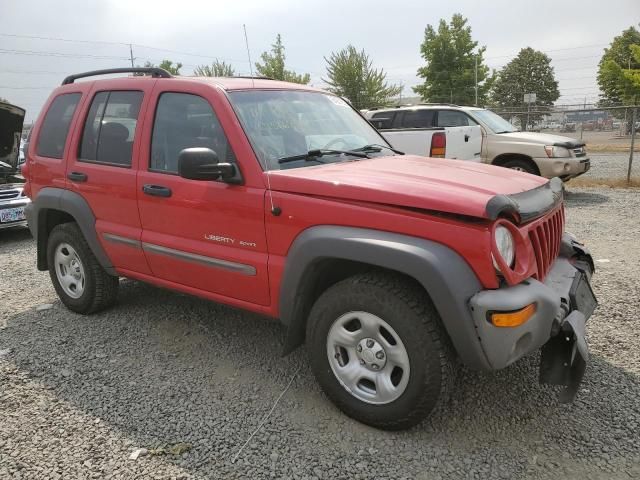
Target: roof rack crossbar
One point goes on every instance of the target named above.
(155, 72)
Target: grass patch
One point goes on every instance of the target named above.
(605, 182)
(612, 147)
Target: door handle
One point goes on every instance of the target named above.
(156, 190)
(77, 177)
(466, 137)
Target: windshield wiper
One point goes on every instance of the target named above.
(376, 147)
(314, 155)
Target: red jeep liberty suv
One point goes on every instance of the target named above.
(282, 199)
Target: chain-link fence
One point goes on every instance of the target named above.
(610, 133)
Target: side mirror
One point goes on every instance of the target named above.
(203, 164)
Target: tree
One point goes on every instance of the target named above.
(450, 71)
(352, 75)
(529, 72)
(625, 82)
(216, 69)
(168, 65)
(273, 65)
(620, 54)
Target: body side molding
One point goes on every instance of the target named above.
(200, 259)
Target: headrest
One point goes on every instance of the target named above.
(115, 131)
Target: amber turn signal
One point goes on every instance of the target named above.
(513, 319)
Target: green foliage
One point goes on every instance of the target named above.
(216, 69)
(450, 55)
(352, 75)
(529, 72)
(619, 56)
(273, 65)
(168, 65)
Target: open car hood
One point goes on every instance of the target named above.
(11, 121)
(440, 185)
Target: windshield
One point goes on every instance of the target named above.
(285, 123)
(493, 121)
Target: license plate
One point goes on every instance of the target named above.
(582, 296)
(11, 214)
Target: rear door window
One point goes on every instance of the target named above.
(110, 128)
(420, 118)
(453, 118)
(55, 125)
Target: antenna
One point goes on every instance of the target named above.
(246, 42)
(275, 211)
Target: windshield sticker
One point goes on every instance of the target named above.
(337, 100)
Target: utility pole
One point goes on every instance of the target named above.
(476, 59)
(582, 122)
(131, 54)
(633, 138)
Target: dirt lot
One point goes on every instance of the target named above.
(79, 394)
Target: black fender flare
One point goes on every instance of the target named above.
(443, 273)
(77, 207)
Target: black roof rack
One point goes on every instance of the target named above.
(255, 77)
(437, 103)
(153, 71)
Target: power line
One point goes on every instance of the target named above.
(42, 53)
(57, 39)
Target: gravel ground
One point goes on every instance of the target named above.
(79, 394)
(612, 165)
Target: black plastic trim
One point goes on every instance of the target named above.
(527, 205)
(73, 204)
(570, 144)
(155, 72)
(443, 273)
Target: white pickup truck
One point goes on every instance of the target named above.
(478, 134)
(429, 131)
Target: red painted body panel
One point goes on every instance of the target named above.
(453, 186)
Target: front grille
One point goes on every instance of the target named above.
(579, 152)
(545, 238)
(9, 194)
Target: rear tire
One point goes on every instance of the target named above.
(378, 350)
(521, 165)
(77, 276)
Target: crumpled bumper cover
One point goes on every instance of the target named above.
(564, 302)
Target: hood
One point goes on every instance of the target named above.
(451, 186)
(543, 139)
(11, 120)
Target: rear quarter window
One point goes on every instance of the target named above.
(383, 120)
(55, 125)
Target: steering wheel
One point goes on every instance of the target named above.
(335, 141)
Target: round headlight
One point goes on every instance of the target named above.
(506, 245)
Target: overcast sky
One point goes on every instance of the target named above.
(573, 32)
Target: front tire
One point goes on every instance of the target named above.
(77, 276)
(521, 165)
(378, 350)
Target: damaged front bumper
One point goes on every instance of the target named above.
(564, 302)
